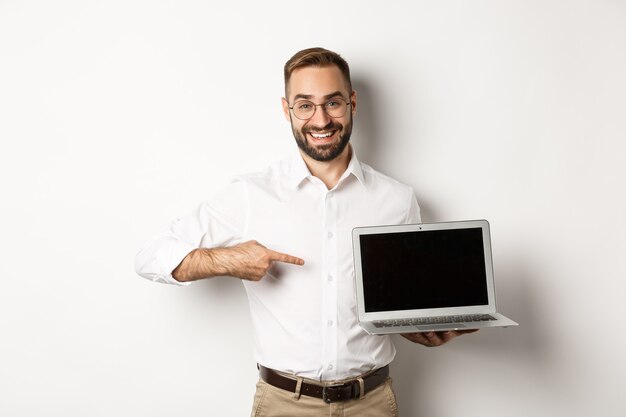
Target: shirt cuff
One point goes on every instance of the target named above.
(166, 260)
(173, 259)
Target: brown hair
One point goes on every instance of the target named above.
(316, 57)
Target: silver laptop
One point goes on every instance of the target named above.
(425, 277)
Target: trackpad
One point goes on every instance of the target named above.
(437, 327)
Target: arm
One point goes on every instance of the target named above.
(217, 223)
(249, 260)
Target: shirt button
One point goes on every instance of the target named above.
(330, 278)
(330, 323)
(330, 234)
(330, 367)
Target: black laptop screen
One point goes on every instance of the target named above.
(423, 269)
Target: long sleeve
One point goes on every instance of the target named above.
(219, 222)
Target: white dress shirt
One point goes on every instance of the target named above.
(304, 317)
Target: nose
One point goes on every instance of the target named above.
(320, 117)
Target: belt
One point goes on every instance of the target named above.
(328, 393)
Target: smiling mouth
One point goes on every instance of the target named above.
(321, 135)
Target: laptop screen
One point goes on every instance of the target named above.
(423, 269)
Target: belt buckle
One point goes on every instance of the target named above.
(332, 388)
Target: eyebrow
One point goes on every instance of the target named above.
(309, 96)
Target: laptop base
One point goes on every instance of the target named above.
(498, 321)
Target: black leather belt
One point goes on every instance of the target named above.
(329, 393)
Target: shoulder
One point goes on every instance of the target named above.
(269, 180)
(378, 180)
(271, 172)
(237, 193)
(394, 194)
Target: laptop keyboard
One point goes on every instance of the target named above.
(433, 320)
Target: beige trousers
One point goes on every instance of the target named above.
(270, 401)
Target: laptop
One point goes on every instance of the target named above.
(425, 277)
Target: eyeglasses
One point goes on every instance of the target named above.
(305, 109)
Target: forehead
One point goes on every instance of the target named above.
(316, 82)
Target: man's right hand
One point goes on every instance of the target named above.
(249, 260)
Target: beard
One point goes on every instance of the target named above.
(326, 152)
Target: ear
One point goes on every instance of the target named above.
(286, 109)
(353, 102)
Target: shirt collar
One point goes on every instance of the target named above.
(300, 172)
(354, 168)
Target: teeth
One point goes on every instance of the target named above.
(320, 136)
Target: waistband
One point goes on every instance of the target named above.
(352, 388)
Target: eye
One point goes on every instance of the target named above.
(304, 105)
(332, 103)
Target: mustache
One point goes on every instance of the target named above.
(332, 125)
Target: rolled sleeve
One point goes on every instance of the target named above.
(160, 257)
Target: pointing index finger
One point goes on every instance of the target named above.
(283, 257)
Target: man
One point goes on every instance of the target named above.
(286, 233)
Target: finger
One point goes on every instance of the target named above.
(447, 335)
(451, 334)
(416, 338)
(283, 257)
(423, 339)
(434, 338)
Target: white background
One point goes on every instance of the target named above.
(118, 116)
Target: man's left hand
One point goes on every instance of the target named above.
(432, 339)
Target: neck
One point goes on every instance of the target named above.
(329, 171)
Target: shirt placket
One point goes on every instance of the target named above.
(329, 282)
